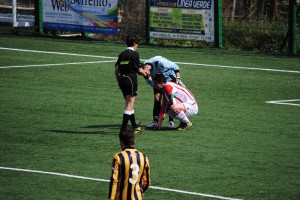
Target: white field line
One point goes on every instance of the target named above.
(237, 67)
(56, 53)
(57, 64)
(183, 63)
(285, 102)
(107, 181)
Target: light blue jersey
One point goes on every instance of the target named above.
(163, 66)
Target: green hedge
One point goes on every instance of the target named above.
(255, 35)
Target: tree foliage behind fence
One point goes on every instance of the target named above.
(260, 25)
(257, 24)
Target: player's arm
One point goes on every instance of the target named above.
(168, 92)
(146, 175)
(178, 79)
(162, 113)
(176, 70)
(137, 65)
(114, 181)
(117, 71)
(149, 80)
(177, 73)
(173, 67)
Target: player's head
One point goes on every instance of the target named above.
(131, 40)
(159, 81)
(147, 67)
(159, 78)
(127, 138)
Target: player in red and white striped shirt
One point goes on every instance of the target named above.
(178, 102)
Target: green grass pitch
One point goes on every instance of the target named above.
(60, 111)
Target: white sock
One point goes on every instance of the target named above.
(127, 112)
(181, 116)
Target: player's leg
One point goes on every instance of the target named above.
(129, 90)
(129, 105)
(171, 122)
(180, 113)
(131, 100)
(156, 108)
(171, 117)
(125, 91)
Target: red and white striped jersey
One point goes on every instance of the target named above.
(173, 94)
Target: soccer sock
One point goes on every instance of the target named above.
(170, 119)
(132, 120)
(126, 118)
(156, 110)
(181, 116)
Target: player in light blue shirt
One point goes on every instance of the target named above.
(171, 71)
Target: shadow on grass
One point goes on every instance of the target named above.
(161, 129)
(117, 127)
(111, 126)
(114, 131)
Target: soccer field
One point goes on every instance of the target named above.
(61, 110)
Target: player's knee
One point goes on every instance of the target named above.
(175, 108)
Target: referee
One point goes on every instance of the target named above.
(130, 170)
(127, 67)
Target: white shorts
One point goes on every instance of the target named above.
(190, 110)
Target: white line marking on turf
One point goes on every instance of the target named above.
(236, 67)
(57, 64)
(184, 63)
(193, 193)
(57, 53)
(285, 102)
(107, 181)
(53, 173)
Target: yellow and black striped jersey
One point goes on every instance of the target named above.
(130, 175)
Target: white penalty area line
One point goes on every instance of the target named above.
(285, 102)
(107, 181)
(57, 64)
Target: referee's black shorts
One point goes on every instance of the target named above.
(128, 85)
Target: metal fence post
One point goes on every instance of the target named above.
(218, 24)
(292, 27)
(40, 22)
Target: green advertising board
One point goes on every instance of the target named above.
(182, 19)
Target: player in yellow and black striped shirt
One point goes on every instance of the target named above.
(130, 170)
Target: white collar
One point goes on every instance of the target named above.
(131, 48)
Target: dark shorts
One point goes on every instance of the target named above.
(128, 85)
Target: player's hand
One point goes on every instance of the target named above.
(180, 82)
(157, 127)
(159, 123)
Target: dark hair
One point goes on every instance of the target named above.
(147, 63)
(127, 136)
(131, 39)
(159, 78)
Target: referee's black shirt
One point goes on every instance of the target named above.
(129, 62)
